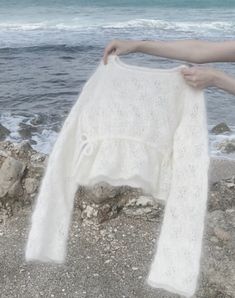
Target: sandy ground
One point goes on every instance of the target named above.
(113, 260)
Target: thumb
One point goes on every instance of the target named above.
(186, 70)
(117, 52)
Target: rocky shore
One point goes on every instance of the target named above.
(102, 215)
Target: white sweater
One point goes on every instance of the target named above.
(137, 126)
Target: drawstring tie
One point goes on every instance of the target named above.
(84, 144)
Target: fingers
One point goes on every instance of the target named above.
(187, 70)
(106, 53)
(189, 76)
(108, 50)
(193, 81)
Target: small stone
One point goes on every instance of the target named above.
(214, 239)
(221, 234)
(134, 268)
(230, 185)
(144, 201)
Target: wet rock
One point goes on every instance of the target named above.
(26, 130)
(38, 119)
(227, 146)
(4, 132)
(220, 128)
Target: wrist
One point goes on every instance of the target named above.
(137, 45)
(217, 79)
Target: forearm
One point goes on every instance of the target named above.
(224, 81)
(192, 50)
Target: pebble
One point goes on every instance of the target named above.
(222, 234)
(135, 268)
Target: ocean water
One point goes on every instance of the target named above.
(48, 49)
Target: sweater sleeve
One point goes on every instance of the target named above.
(176, 264)
(52, 208)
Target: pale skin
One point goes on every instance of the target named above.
(194, 51)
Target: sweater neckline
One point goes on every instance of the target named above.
(117, 61)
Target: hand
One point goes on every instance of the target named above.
(199, 77)
(117, 46)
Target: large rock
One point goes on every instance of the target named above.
(21, 169)
(11, 172)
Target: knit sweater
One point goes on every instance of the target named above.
(137, 126)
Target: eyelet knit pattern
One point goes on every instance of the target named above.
(137, 126)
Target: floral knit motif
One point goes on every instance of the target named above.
(136, 126)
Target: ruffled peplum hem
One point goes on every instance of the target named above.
(122, 161)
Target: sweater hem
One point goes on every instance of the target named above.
(39, 259)
(133, 181)
(169, 288)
